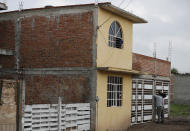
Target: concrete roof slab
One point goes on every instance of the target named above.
(3, 6)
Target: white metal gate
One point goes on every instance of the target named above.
(142, 99)
(57, 117)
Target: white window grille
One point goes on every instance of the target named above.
(114, 91)
(115, 35)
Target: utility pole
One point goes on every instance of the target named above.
(155, 63)
(154, 83)
(171, 84)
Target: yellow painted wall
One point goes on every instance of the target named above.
(108, 56)
(113, 117)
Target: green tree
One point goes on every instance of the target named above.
(174, 71)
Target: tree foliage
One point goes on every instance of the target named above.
(174, 71)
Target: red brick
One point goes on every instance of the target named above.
(7, 61)
(47, 42)
(147, 64)
(7, 34)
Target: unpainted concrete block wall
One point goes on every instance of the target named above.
(182, 89)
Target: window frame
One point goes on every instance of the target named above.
(114, 91)
(115, 36)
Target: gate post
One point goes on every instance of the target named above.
(153, 101)
(59, 113)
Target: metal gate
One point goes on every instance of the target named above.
(142, 99)
(57, 117)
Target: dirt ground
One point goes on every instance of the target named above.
(173, 124)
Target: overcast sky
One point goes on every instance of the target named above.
(169, 20)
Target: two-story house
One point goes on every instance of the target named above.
(114, 64)
(82, 53)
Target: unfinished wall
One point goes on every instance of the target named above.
(49, 40)
(7, 34)
(8, 102)
(46, 89)
(146, 64)
(181, 89)
(7, 37)
(57, 41)
(55, 52)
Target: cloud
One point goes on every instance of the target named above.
(168, 20)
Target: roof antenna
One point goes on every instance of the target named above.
(21, 4)
(170, 51)
(96, 2)
(154, 52)
(155, 61)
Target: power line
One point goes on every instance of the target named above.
(111, 54)
(112, 15)
(121, 3)
(130, 1)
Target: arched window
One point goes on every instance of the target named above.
(115, 35)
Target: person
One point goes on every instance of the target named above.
(159, 100)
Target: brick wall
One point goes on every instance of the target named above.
(7, 61)
(52, 38)
(146, 64)
(46, 89)
(57, 41)
(7, 34)
(7, 37)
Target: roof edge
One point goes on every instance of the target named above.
(151, 57)
(121, 70)
(105, 5)
(123, 13)
(3, 6)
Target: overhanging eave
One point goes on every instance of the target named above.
(123, 13)
(120, 70)
(3, 6)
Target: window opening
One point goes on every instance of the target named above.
(114, 91)
(115, 35)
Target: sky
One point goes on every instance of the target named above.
(168, 22)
